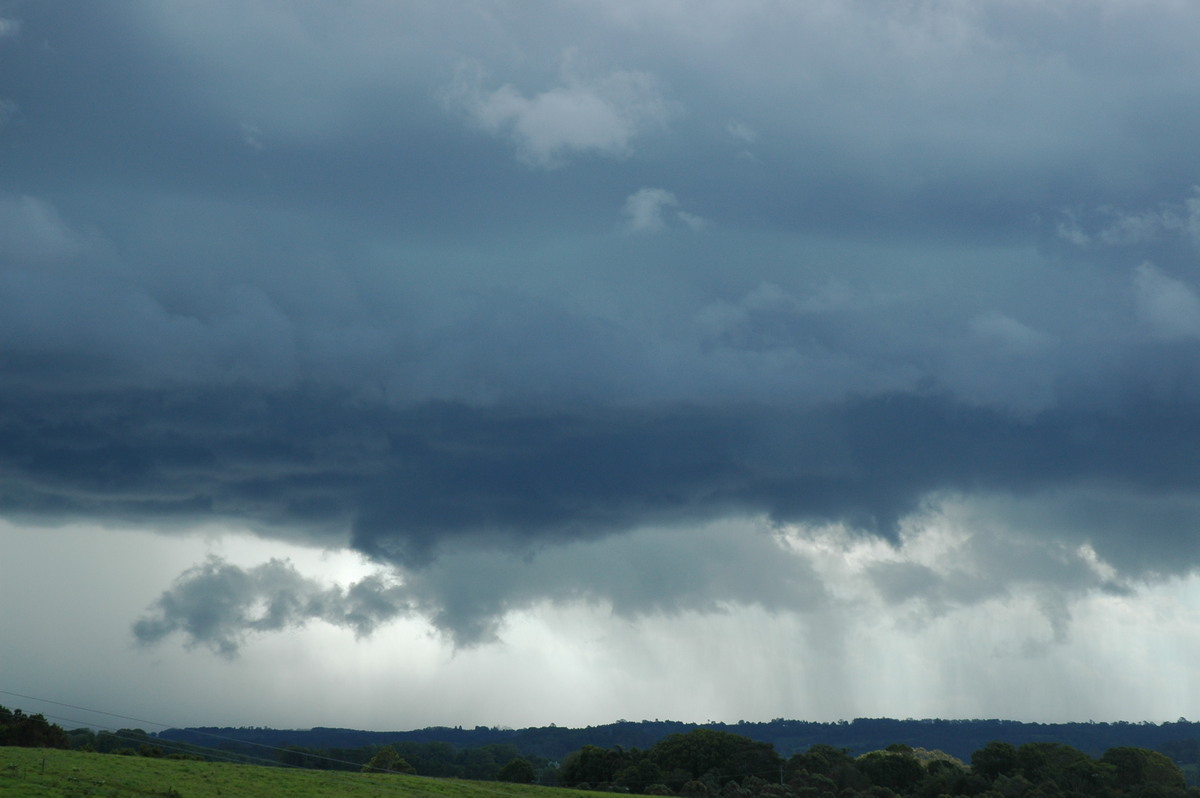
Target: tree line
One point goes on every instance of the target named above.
(503, 762)
(956, 737)
(711, 764)
(30, 731)
(703, 763)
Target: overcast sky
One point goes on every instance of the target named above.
(393, 364)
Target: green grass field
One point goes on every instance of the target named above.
(50, 773)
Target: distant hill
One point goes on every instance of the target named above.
(959, 738)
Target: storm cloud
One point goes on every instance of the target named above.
(402, 485)
(398, 481)
(539, 305)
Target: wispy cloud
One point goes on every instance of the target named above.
(650, 210)
(32, 230)
(8, 112)
(1116, 227)
(1165, 304)
(741, 131)
(595, 115)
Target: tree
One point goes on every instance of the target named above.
(995, 759)
(895, 770)
(518, 771)
(1068, 768)
(638, 774)
(1134, 766)
(836, 764)
(719, 755)
(591, 764)
(386, 760)
(30, 731)
(480, 764)
(948, 777)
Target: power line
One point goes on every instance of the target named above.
(331, 773)
(224, 755)
(159, 724)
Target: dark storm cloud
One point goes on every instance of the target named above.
(400, 482)
(419, 278)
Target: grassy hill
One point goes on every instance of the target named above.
(51, 773)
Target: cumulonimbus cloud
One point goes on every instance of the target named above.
(370, 335)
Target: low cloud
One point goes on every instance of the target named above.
(467, 594)
(951, 556)
(217, 604)
(653, 571)
(974, 564)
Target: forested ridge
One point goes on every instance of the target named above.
(959, 738)
(704, 762)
